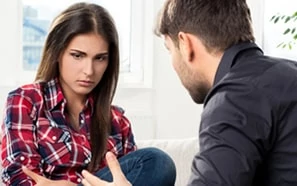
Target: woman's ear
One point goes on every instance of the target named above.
(186, 46)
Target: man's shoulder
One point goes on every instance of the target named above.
(263, 73)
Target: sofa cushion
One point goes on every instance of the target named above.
(182, 151)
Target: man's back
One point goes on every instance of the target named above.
(248, 128)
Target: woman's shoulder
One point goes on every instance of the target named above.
(117, 110)
(118, 114)
(119, 120)
(27, 89)
(31, 92)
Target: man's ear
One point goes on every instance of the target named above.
(186, 46)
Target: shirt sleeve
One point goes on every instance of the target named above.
(128, 137)
(125, 130)
(19, 141)
(234, 136)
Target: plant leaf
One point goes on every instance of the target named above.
(287, 31)
(280, 44)
(288, 19)
(293, 30)
(276, 19)
(290, 46)
(295, 37)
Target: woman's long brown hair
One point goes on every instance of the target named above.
(83, 18)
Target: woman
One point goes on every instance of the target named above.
(64, 122)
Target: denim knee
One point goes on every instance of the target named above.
(164, 167)
(145, 167)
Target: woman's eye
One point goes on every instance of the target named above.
(76, 56)
(101, 58)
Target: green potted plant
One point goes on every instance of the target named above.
(290, 30)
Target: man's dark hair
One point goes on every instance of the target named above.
(219, 24)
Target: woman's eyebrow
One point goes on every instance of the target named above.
(84, 53)
(76, 50)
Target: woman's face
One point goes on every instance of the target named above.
(83, 64)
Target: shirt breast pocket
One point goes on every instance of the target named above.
(54, 143)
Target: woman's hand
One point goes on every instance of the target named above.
(119, 178)
(42, 181)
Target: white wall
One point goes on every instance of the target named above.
(176, 114)
(9, 51)
(257, 9)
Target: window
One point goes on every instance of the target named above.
(129, 16)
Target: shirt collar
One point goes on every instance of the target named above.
(230, 56)
(90, 103)
(53, 94)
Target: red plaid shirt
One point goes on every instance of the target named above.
(37, 135)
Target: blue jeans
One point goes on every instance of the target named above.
(145, 167)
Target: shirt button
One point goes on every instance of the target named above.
(78, 180)
(54, 138)
(82, 121)
(86, 161)
(22, 158)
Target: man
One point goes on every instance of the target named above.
(248, 128)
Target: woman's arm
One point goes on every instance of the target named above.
(19, 145)
(128, 137)
(42, 181)
(124, 124)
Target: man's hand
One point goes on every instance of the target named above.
(119, 178)
(42, 181)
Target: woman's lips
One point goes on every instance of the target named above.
(85, 83)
